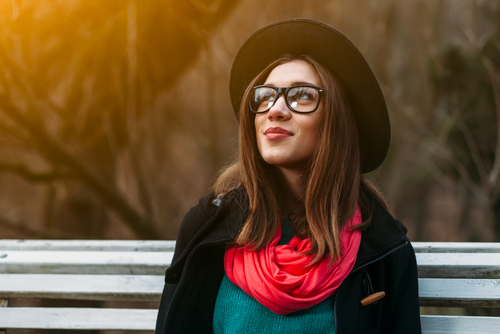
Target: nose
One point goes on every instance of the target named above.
(279, 111)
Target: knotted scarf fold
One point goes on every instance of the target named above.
(279, 276)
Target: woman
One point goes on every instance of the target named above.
(294, 239)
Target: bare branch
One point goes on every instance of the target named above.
(55, 152)
(206, 8)
(29, 174)
(30, 91)
(37, 232)
(495, 193)
(473, 149)
(439, 149)
(110, 135)
(13, 132)
(139, 178)
(132, 126)
(436, 172)
(443, 151)
(494, 78)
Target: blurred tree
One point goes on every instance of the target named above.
(97, 80)
(76, 81)
(467, 82)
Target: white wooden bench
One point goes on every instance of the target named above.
(451, 275)
(86, 270)
(459, 275)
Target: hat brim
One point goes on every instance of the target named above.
(339, 55)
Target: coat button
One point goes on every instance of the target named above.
(372, 298)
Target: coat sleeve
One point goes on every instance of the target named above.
(193, 221)
(404, 306)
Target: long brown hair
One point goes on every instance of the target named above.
(333, 181)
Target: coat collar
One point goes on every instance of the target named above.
(383, 235)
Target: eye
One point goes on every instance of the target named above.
(303, 93)
(263, 98)
(265, 95)
(303, 98)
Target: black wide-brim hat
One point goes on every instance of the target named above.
(339, 55)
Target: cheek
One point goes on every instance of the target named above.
(311, 143)
(258, 121)
(311, 128)
(311, 138)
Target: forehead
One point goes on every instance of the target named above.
(292, 73)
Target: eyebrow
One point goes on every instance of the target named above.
(293, 83)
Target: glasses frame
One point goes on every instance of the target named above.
(284, 91)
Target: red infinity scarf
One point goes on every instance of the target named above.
(278, 276)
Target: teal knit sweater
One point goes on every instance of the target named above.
(237, 312)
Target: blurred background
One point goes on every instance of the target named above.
(115, 115)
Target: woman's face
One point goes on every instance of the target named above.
(285, 138)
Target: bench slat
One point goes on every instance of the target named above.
(456, 247)
(458, 265)
(459, 292)
(169, 245)
(77, 318)
(433, 292)
(89, 245)
(140, 319)
(440, 324)
(82, 287)
(72, 262)
(432, 265)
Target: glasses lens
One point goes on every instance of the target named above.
(303, 98)
(262, 99)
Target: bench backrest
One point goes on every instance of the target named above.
(459, 275)
(450, 275)
(122, 271)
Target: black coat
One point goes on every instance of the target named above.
(385, 262)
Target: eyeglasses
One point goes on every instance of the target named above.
(299, 98)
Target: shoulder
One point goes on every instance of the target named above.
(201, 214)
(194, 220)
(383, 216)
(382, 236)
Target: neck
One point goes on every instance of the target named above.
(292, 188)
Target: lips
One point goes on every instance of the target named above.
(274, 133)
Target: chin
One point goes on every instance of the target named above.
(273, 162)
(285, 163)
